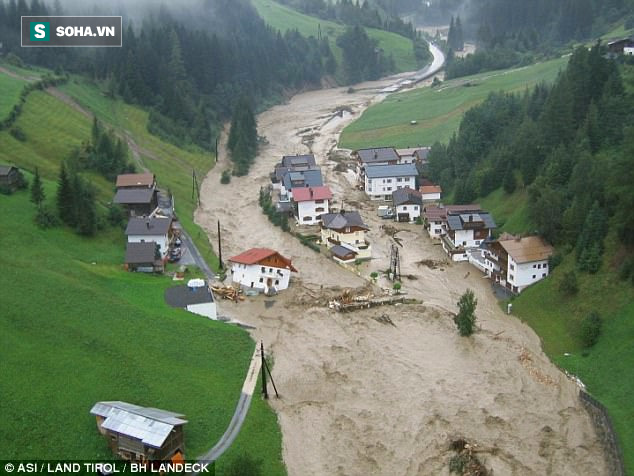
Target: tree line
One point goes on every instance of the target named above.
(570, 145)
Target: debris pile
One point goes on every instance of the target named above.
(464, 462)
(348, 301)
(228, 292)
(527, 362)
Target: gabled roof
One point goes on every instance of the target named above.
(381, 154)
(150, 425)
(412, 151)
(133, 196)
(135, 180)
(406, 196)
(341, 251)
(140, 253)
(298, 160)
(457, 221)
(153, 226)
(183, 296)
(311, 178)
(527, 249)
(343, 219)
(422, 153)
(256, 255)
(398, 170)
(5, 169)
(306, 194)
(425, 189)
(434, 212)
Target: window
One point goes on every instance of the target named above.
(545, 265)
(261, 280)
(437, 231)
(404, 207)
(543, 275)
(308, 218)
(477, 242)
(512, 267)
(464, 243)
(389, 189)
(539, 266)
(270, 270)
(319, 209)
(389, 180)
(277, 281)
(319, 201)
(533, 276)
(415, 207)
(534, 266)
(399, 179)
(511, 277)
(262, 269)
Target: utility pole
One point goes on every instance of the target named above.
(220, 248)
(395, 264)
(216, 149)
(265, 391)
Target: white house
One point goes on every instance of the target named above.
(196, 298)
(408, 204)
(431, 193)
(261, 269)
(346, 229)
(374, 156)
(465, 233)
(294, 179)
(311, 204)
(517, 262)
(381, 180)
(435, 217)
(145, 229)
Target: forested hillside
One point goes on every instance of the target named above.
(569, 146)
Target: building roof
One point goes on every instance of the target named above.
(135, 180)
(150, 425)
(153, 226)
(256, 255)
(343, 219)
(183, 296)
(398, 170)
(298, 160)
(527, 249)
(425, 189)
(341, 251)
(422, 153)
(440, 212)
(457, 221)
(381, 154)
(306, 194)
(310, 177)
(5, 169)
(132, 196)
(410, 151)
(406, 196)
(140, 253)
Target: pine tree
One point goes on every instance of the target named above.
(37, 190)
(65, 198)
(465, 319)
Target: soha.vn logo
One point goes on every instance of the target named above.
(40, 31)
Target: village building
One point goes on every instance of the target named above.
(435, 217)
(144, 180)
(381, 180)
(343, 255)
(9, 177)
(143, 257)
(431, 193)
(311, 203)
(377, 156)
(346, 229)
(409, 155)
(297, 179)
(408, 204)
(137, 201)
(150, 229)
(623, 46)
(291, 163)
(517, 262)
(465, 232)
(261, 269)
(422, 154)
(196, 298)
(141, 434)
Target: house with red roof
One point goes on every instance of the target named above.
(310, 203)
(261, 269)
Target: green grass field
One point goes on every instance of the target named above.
(284, 18)
(438, 111)
(509, 211)
(608, 368)
(11, 88)
(75, 329)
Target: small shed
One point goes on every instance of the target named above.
(9, 177)
(141, 434)
(343, 254)
(196, 297)
(142, 257)
(138, 201)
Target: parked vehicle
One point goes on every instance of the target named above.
(175, 255)
(385, 212)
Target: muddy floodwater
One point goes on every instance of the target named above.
(384, 391)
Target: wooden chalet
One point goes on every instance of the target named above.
(9, 177)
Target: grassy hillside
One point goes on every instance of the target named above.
(284, 18)
(75, 329)
(11, 88)
(437, 111)
(608, 368)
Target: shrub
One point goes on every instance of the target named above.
(46, 218)
(225, 178)
(591, 329)
(374, 275)
(116, 215)
(465, 319)
(568, 285)
(554, 261)
(397, 286)
(18, 133)
(419, 221)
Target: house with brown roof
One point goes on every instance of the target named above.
(435, 217)
(310, 203)
(144, 180)
(431, 193)
(137, 201)
(346, 229)
(466, 231)
(261, 269)
(517, 262)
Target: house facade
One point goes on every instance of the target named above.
(408, 204)
(262, 269)
(291, 163)
(150, 229)
(346, 229)
(435, 217)
(465, 233)
(431, 193)
(374, 156)
(311, 203)
(381, 180)
(299, 179)
(518, 262)
(141, 257)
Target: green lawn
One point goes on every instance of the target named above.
(438, 111)
(10, 89)
(284, 18)
(608, 368)
(509, 211)
(75, 329)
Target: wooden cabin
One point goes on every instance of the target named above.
(141, 434)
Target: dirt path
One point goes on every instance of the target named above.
(362, 397)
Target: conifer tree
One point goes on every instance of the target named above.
(65, 198)
(37, 190)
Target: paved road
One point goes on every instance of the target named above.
(436, 65)
(195, 254)
(241, 411)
